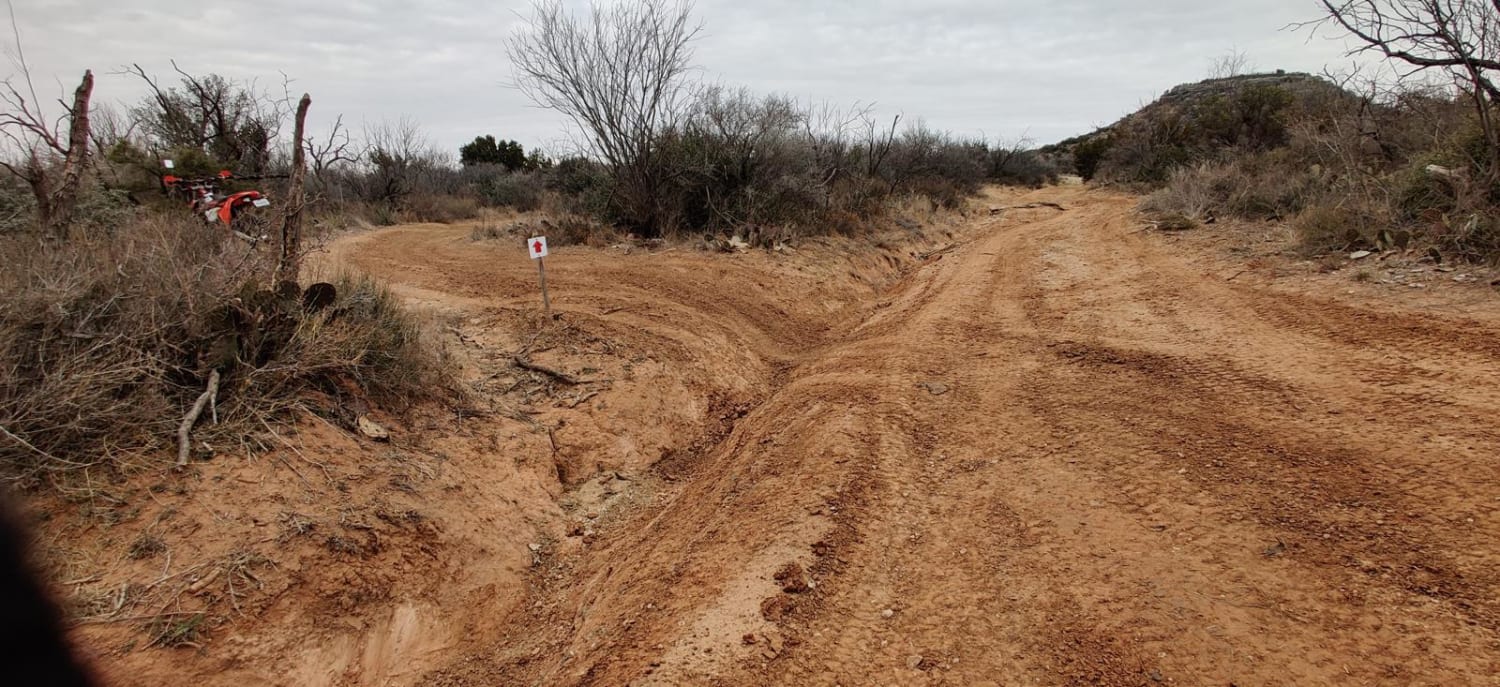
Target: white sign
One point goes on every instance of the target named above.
(261, 203)
(168, 164)
(537, 246)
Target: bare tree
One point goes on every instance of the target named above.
(620, 74)
(332, 150)
(828, 131)
(233, 123)
(1229, 65)
(1461, 38)
(877, 142)
(52, 157)
(401, 161)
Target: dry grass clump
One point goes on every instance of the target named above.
(107, 339)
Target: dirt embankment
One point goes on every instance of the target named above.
(1063, 451)
(321, 557)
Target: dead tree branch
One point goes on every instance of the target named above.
(185, 430)
(560, 376)
(291, 224)
(1459, 38)
(50, 161)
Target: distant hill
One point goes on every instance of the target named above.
(1195, 121)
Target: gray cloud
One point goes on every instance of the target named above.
(999, 67)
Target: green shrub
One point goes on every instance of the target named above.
(17, 206)
(584, 187)
(1088, 155)
(519, 190)
(383, 215)
(102, 209)
(1420, 194)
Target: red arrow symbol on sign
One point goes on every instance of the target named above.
(536, 247)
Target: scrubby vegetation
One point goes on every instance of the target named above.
(1350, 169)
(106, 339)
(666, 155)
(1358, 162)
(122, 309)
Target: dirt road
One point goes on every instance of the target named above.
(1061, 453)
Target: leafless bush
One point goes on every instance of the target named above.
(1017, 163)
(1229, 65)
(1260, 187)
(402, 163)
(936, 165)
(1197, 193)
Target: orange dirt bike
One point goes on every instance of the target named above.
(234, 211)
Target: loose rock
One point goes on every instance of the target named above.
(934, 388)
(372, 429)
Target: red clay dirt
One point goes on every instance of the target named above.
(1062, 451)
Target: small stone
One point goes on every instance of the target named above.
(935, 388)
(534, 547)
(887, 613)
(1360, 254)
(372, 429)
(914, 661)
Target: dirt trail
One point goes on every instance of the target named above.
(1061, 453)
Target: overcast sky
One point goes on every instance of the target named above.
(1001, 68)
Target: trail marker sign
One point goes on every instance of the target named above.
(536, 247)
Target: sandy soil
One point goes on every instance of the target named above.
(1062, 451)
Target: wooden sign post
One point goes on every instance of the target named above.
(536, 246)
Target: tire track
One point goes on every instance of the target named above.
(1064, 454)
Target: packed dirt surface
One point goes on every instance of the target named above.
(1047, 448)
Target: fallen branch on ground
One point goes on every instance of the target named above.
(560, 376)
(185, 431)
(1028, 206)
